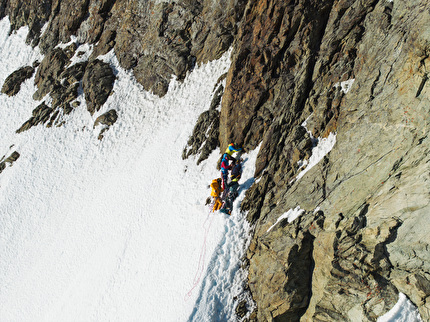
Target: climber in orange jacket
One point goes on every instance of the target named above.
(216, 194)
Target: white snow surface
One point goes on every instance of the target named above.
(345, 86)
(290, 215)
(114, 230)
(403, 311)
(322, 146)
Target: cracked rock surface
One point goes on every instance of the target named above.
(371, 192)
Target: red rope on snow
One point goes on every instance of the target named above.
(202, 256)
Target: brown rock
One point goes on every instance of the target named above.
(108, 118)
(13, 82)
(41, 114)
(97, 84)
(10, 159)
(74, 73)
(65, 20)
(360, 255)
(206, 131)
(48, 73)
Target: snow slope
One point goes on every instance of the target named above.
(115, 229)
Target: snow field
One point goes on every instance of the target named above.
(112, 229)
(224, 278)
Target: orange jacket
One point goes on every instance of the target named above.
(216, 188)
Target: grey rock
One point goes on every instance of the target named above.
(31, 13)
(48, 73)
(64, 21)
(10, 159)
(107, 119)
(154, 74)
(97, 84)
(366, 251)
(13, 82)
(204, 138)
(41, 114)
(174, 36)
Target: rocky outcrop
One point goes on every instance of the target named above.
(13, 82)
(285, 258)
(97, 84)
(48, 74)
(157, 40)
(55, 76)
(29, 13)
(9, 160)
(73, 74)
(62, 80)
(205, 135)
(106, 120)
(41, 115)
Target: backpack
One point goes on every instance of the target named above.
(237, 170)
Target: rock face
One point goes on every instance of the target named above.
(55, 76)
(371, 189)
(107, 119)
(157, 40)
(48, 74)
(354, 69)
(13, 82)
(9, 160)
(205, 135)
(97, 84)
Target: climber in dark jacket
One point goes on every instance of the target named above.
(225, 167)
(232, 194)
(236, 171)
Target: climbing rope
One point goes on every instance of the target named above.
(200, 268)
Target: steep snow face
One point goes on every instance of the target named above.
(114, 229)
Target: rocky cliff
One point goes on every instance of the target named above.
(355, 71)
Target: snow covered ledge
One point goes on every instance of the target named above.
(322, 147)
(403, 311)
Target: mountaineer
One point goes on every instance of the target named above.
(232, 148)
(233, 187)
(216, 194)
(236, 170)
(225, 167)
